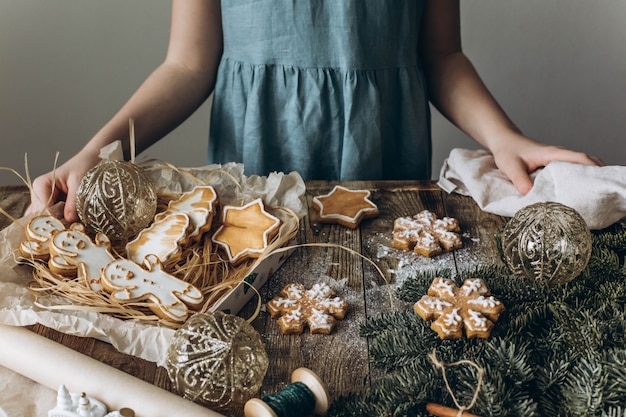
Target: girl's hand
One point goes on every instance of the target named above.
(61, 185)
(519, 156)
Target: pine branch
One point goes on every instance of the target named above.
(415, 287)
(555, 351)
(584, 389)
(613, 237)
(617, 411)
(614, 363)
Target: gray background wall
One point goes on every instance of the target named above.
(558, 68)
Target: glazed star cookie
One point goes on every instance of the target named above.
(297, 307)
(470, 307)
(345, 207)
(425, 234)
(246, 231)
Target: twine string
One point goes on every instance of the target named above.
(442, 366)
(294, 400)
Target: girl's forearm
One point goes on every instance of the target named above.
(165, 99)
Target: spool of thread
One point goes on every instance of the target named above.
(307, 394)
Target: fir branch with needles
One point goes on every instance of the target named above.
(555, 351)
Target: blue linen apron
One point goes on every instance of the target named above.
(332, 89)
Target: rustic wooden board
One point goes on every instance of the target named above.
(328, 253)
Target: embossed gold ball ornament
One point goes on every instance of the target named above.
(116, 198)
(217, 360)
(547, 242)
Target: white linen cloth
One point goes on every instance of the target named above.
(598, 194)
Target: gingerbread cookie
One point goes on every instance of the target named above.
(38, 233)
(345, 207)
(169, 298)
(200, 205)
(76, 248)
(297, 307)
(453, 309)
(246, 231)
(60, 266)
(164, 238)
(425, 234)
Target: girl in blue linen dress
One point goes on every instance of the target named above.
(334, 89)
(331, 89)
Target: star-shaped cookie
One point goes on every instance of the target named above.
(246, 231)
(345, 207)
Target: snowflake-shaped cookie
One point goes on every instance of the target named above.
(297, 307)
(425, 234)
(453, 308)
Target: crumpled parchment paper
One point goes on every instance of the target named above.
(147, 341)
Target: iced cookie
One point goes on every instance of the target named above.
(345, 207)
(297, 307)
(199, 205)
(60, 266)
(169, 297)
(425, 234)
(453, 309)
(38, 233)
(89, 257)
(246, 231)
(164, 238)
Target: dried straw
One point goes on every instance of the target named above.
(200, 264)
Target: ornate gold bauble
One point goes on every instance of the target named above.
(116, 198)
(547, 242)
(217, 360)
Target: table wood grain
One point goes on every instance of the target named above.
(329, 253)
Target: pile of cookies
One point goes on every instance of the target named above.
(146, 271)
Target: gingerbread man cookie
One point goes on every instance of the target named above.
(453, 309)
(297, 307)
(345, 207)
(425, 234)
(169, 297)
(38, 233)
(60, 266)
(76, 248)
(246, 231)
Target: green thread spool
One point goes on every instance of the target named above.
(307, 394)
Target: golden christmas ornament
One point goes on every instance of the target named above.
(217, 360)
(547, 242)
(116, 198)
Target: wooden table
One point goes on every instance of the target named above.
(340, 359)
